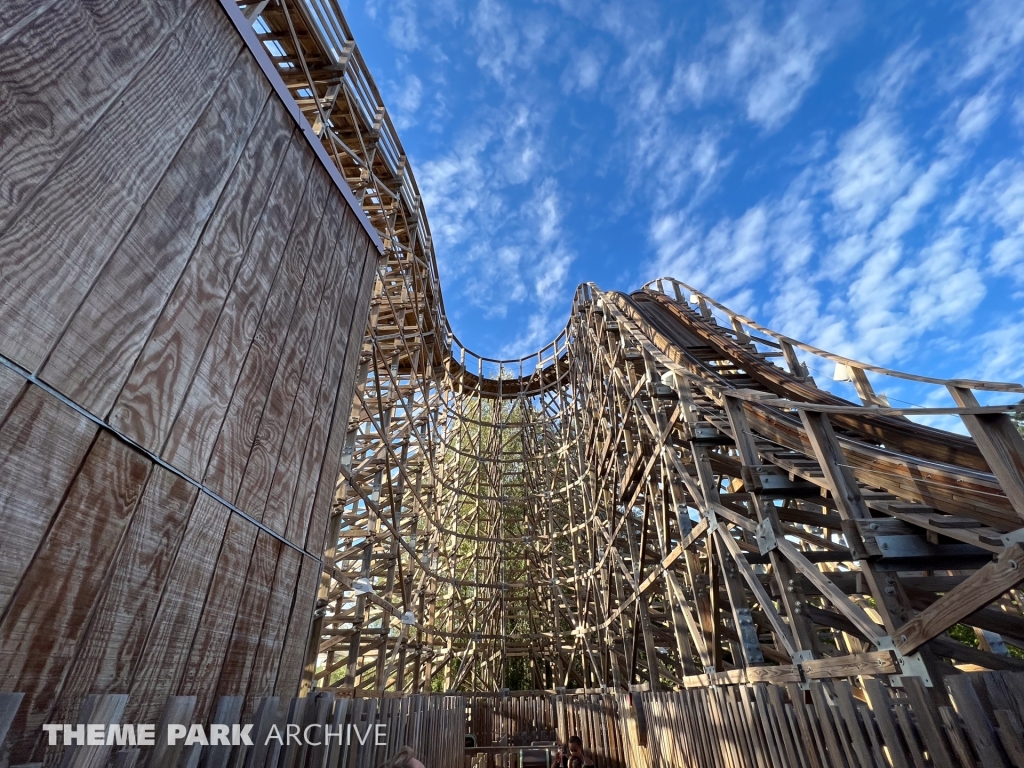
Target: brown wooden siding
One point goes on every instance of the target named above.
(183, 293)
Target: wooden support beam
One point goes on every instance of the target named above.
(984, 586)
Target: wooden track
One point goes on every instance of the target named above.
(586, 515)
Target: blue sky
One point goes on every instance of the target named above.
(848, 173)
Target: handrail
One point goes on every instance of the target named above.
(696, 297)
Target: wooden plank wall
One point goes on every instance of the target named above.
(974, 723)
(183, 290)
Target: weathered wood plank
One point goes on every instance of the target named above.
(239, 430)
(167, 646)
(210, 643)
(979, 729)
(297, 639)
(326, 434)
(9, 705)
(1000, 443)
(273, 636)
(178, 709)
(152, 396)
(98, 709)
(67, 64)
(38, 634)
(876, 663)
(11, 385)
(252, 607)
(928, 721)
(105, 657)
(95, 354)
(330, 466)
(879, 701)
(1010, 732)
(199, 420)
(42, 445)
(981, 588)
(296, 352)
(51, 254)
(301, 432)
(228, 712)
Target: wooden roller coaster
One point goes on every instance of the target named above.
(649, 501)
(243, 456)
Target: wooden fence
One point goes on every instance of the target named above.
(975, 721)
(434, 726)
(522, 719)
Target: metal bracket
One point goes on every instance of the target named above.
(765, 536)
(798, 658)
(911, 665)
(1013, 537)
(709, 513)
(747, 632)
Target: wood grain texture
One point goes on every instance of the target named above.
(210, 644)
(297, 638)
(153, 394)
(60, 72)
(252, 606)
(199, 421)
(273, 635)
(16, 15)
(239, 430)
(309, 461)
(330, 463)
(106, 656)
(38, 634)
(99, 348)
(42, 445)
(162, 660)
(983, 586)
(11, 385)
(51, 254)
(286, 476)
(284, 388)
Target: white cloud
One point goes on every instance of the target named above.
(876, 233)
(872, 168)
(768, 66)
(995, 203)
(995, 35)
(977, 115)
(904, 213)
(878, 292)
(1000, 354)
(506, 43)
(407, 102)
(583, 73)
(497, 223)
(888, 85)
(456, 189)
(404, 27)
(521, 149)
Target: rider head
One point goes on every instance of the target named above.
(576, 747)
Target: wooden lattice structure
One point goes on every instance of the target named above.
(649, 500)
